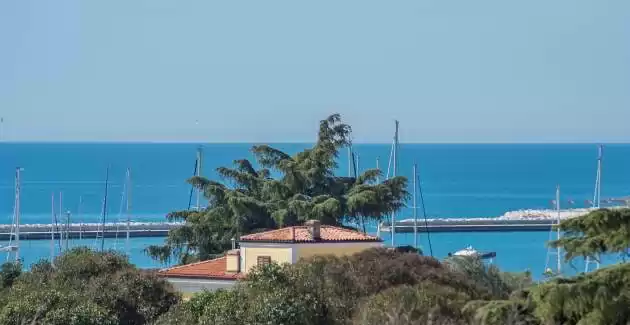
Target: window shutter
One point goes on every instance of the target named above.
(263, 260)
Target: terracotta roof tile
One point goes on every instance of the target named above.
(302, 234)
(212, 269)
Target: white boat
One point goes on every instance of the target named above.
(471, 252)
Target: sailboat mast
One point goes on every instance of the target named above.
(57, 228)
(598, 181)
(17, 212)
(61, 231)
(104, 209)
(558, 233)
(395, 170)
(52, 229)
(350, 156)
(415, 206)
(396, 151)
(80, 218)
(128, 209)
(68, 229)
(389, 162)
(199, 167)
(597, 198)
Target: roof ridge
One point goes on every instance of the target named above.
(191, 264)
(269, 231)
(350, 230)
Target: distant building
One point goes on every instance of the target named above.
(286, 245)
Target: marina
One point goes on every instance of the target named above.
(524, 220)
(97, 212)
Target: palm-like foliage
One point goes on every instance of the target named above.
(599, 232)
(249, 199)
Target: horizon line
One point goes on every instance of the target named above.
(304, 142)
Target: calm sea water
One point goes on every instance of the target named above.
(457, 181)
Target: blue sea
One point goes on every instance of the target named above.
(458, 180)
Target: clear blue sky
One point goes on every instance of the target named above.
(251, 70)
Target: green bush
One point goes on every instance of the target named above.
(83, 287)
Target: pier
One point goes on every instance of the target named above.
(472, 225)
(161, 229)
(91, 230)
(522, 220)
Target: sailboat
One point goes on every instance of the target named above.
(125, 204)
(549, 271)
(197, 172)
(417, 188)
(393, 167)
(100, 231)
(596, 202)
(14, 238)
(53, 231)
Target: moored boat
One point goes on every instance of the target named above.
(471, 252)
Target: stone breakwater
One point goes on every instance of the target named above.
(110, 226)
(543, 214)
(521, 220)
(509, 217)
(91, 230)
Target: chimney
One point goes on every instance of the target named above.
(233, 261)
(315, 227)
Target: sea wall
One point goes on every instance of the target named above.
(520, 220)
(91, 230)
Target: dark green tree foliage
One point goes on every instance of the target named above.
(49, 305)
(249, 199)
(86, 287)
(409, 249)
(227, 307)
(602, 231)
(8, 273)
(500, 284)
(598, 298)
(424, 303)
(500, 312)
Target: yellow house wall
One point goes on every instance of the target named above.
(308, 250)
(278, 255)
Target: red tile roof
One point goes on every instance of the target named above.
(302, 234)
(212, 269)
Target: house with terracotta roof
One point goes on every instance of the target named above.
(286, 245)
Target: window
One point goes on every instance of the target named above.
(263, 260)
